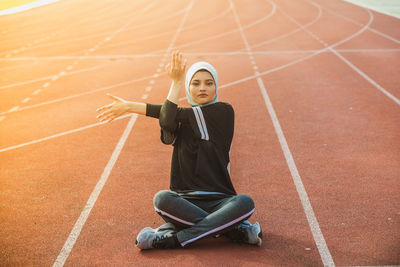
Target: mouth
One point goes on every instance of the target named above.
(202, 95)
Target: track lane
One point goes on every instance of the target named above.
(284, 242)
(83, 254)
(343, 135)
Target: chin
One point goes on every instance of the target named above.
(203, 102)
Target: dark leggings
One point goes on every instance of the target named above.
(198, 218)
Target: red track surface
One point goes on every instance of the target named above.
(329, 68)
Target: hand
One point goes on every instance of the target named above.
(113, 110)
(176, 68)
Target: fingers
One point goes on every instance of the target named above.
(184, 65)
(104, 107)
(176, 68)
(176, 60)
(116, 98)
(107, 117)
(104, 115)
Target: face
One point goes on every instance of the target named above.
(202, 88)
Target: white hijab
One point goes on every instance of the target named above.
(189, 76)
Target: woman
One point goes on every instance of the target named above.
(201, 201)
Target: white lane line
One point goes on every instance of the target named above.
(384, 35)
(37, 92)
(69, 26)
(362, 74)
(58, 134)
(207, 21)
(69, 244)
(76, 230)
(145, 96)
(229, 53)
(359, 24)
(300, 26)
(51, 77)
(130, 28)
(256, 75)
(200, 40)
(286, 34)
(46, 85)
(79, 95)
(366, 77)
(2, 118)
(319, 239)
(149, 88)
(14, 109)
(26, 100)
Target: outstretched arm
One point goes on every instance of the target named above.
(175, 70)
(120, 107)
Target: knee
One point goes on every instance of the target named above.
(245, 201)
(161, 198)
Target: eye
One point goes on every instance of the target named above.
(210, 83)
(195, 83)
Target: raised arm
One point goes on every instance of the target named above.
(120, 107)
(176, 71)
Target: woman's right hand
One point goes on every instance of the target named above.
(176, 69)
(113, 110)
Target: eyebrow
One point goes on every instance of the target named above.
(197, 80)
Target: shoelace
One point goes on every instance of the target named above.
(158, 241)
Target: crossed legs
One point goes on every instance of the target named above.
(199, 218)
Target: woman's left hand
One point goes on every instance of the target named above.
(176, 68)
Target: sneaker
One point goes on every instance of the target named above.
(247, 233)
(254, 234)
(150, 238)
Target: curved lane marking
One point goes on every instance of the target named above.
(183, 98)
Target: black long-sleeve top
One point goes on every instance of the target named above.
(202, 138)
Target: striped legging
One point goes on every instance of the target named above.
(201, 217)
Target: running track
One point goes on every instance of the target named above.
(315, 88)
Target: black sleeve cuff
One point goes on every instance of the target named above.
(153, 110)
